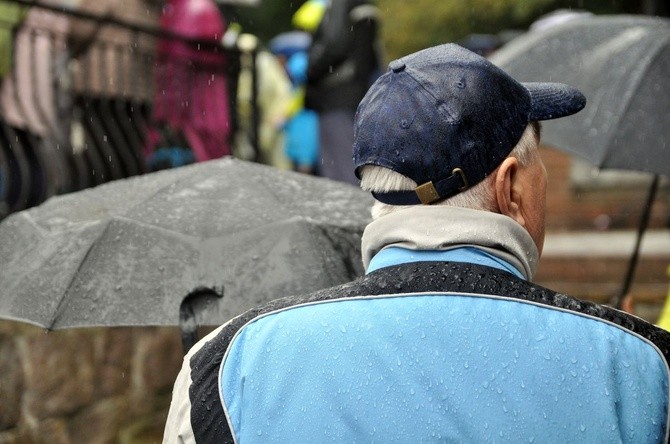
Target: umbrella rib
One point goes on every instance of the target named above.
(183, 236)
(61, 304)
(28, 218)
(161, 189)
(152, 226)
(60, 307)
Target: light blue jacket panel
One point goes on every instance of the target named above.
(441, 367)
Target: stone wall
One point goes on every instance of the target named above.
(100, 385)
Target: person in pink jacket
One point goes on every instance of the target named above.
(191, 97)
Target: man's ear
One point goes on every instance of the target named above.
(507, 190)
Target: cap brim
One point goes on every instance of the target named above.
(553, 100)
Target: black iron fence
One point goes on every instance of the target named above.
(76, 112)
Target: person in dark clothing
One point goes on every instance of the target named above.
(344, 60)
(445, 339)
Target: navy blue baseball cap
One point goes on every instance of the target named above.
(446, 118)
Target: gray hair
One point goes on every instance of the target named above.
(479, 197)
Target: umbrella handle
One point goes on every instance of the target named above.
(192, 304)
(644, 222)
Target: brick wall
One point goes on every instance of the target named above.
(597, 211)
(573, 208)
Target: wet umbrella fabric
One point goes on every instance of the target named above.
(128, 252)
(621, 64)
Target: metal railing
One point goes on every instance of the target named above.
(78, 113)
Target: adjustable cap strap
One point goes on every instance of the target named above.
(428, 192)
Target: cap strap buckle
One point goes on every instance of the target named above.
(427, 193)
(465, 185)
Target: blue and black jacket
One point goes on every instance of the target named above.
(430, 352)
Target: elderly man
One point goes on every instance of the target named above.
(445, 338)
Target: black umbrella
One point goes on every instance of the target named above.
(622, 64)
(127, 253)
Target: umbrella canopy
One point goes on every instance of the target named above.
(621, 64)
(128, 252)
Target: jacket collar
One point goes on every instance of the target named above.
(443, 228)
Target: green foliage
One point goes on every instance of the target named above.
(269, 19)
(410, 25)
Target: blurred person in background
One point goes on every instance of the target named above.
(191, 102)
(300, 125)
(273, 95)
(344, 60)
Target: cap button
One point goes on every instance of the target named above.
(397, 65)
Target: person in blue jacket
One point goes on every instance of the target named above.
(445, 339)
(301, 130)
